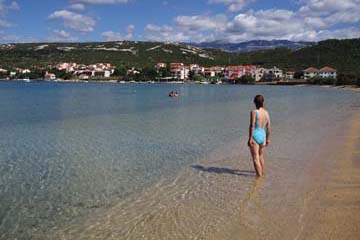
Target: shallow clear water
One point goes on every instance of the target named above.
(69, 150)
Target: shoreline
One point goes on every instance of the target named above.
(335, 205)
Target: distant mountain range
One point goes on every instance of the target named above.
(254, 45)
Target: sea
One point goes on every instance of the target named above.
(126, 161)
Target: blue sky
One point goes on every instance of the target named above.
(171, 20)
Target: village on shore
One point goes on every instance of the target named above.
(172, 73)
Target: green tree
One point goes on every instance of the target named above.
(149, 73)
(299, 75)
(198, 78)
(246, 79)
(120, 71)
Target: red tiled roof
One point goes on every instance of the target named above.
(311, 69)
(327, 69)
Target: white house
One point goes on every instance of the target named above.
(107, 73)
(310, 73)
(327, 72)
(289, 75)
(179, 71)
(259, 74)
(68, 67)
(50, 76)
(160, 65)
(209, 72)
(275, 71)
(25, 71)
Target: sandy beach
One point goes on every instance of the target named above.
(333, 210)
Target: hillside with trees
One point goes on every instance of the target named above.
(344, 55)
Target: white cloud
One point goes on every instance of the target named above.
(202, 22)
(115, 36)
(314, 20)
(5, 24)
(188, 28)
(62, 36)
(77, 6)
(10, 38)
(99, 1)
(232, 5)
(74, 21)
(6, 6)
(165, 33)
(331, 11)
(325, 7)
(312, 35)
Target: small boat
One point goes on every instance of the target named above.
(26, 80)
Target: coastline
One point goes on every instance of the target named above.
(334, 208)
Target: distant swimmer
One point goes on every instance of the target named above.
(259, 134)
(174, 94)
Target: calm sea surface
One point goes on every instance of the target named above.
(70, 152)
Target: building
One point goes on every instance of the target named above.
(259, 74)
(219, 70)
(196, 69)
(84, 77)
(68, 67)
(327, 72)
(179, 71)
(176, 65)
(235, 72)
(310, 73)
(50, 76)
(23, 71)
(276, 72)
(267, 74)
(289, 75)
(209, 72)
(133, 71)
(160, 65)
(102, 70)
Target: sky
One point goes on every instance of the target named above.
(177, 21)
